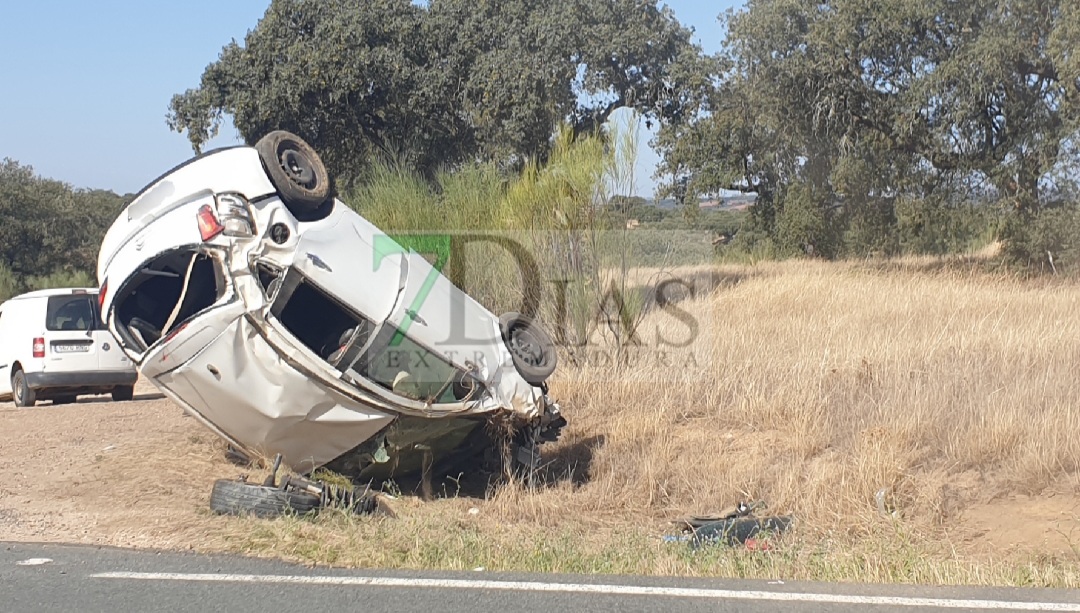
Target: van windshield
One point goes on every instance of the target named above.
(76, 312)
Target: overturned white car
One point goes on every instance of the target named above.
(290, 325)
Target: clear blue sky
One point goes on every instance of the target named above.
(87, 83)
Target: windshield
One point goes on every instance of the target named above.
(410, 370)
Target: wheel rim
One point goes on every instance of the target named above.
(19, 395)
(525, 346)
(298, 168)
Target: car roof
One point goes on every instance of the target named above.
(45, 293)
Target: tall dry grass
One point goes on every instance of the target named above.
(814, 385)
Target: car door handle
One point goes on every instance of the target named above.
(213, 370)
(319, 263)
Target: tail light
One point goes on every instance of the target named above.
(101, 294)
(39, 347)
(235, 215)
(209, 227)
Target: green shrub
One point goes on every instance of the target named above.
(1047, 240)
(9, 284)
(61, 279)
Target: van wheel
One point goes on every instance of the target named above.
(123, 393)
(530, 347)
(296, 171)
(23, 395)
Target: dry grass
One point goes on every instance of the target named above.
(812, 387)
(819, 384)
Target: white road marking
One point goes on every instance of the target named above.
(34, 562)
(586, 588)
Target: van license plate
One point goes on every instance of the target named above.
(71, 348)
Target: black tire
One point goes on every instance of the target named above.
(123, 393)
(20, 391)
(231, 497)
(530, 347)
(64, 400)
(296, 171)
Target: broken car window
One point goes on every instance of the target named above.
(318, 321)
(344, 339)
(411, 370)
(166, 293)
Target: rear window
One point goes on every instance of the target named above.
(75, 312)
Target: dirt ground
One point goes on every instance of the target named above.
(138, 474)
(132, 474)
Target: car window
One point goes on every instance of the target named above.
(321, 323)
(344, 338)
(413, 371)
(75, 313)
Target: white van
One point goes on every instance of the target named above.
(54, 346)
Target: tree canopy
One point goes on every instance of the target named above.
(836, 111)
(439, 84)
(49, 229)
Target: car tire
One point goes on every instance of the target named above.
(123, 393)
(231, 497)
(64, 400)
(530, 347)
(297, 173)
(20, 391)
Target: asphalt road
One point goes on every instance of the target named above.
(74, 578)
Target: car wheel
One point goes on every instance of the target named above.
(530, 347)
(297, 173)
(21, 392)
(64, 400)
(231, 497)
(123, 393)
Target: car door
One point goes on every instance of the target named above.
(110, 357)
(436, 314)
(70, 323)
(243, 387)
(354, 262)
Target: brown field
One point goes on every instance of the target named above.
(811, 386)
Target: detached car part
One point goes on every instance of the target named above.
(295, 495)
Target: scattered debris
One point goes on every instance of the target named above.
(734, 526)
(474, 511)
(883, 505)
